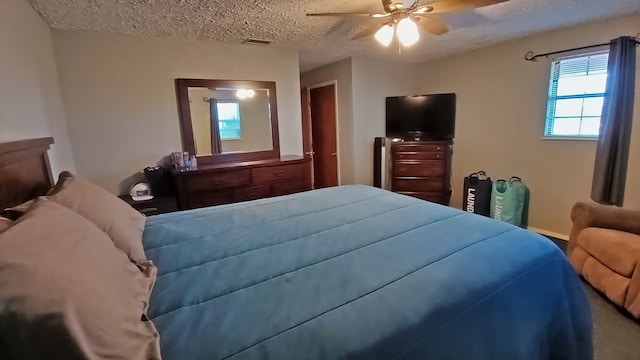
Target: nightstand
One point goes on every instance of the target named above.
(155, 206)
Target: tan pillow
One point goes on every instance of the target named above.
(110, 214)
(14, 213)
(22, 208)
(68, 293)
(5, 224)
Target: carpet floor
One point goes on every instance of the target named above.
(616, 335)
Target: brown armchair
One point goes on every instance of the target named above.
(604, 247)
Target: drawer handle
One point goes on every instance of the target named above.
(401, 156)
(148, 210)
(218, 181)
(279, 173)
(403, 170)
(438, 156)
(438, 148)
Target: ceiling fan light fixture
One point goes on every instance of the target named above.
(385, 35)
(407, 32)
(245, 94)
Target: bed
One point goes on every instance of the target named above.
(356, 272)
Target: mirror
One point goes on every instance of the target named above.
(228, 120)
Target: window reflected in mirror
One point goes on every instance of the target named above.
(229, 120)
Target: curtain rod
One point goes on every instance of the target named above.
(531, 56)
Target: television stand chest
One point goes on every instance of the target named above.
(422, 169)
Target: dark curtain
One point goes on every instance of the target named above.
(610, 172)
(216, 142)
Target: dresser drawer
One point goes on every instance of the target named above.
(286, 188)
(419, 156)
(277, 173)
(418, 148)
(210, 198)
(418, 169)
(421, 185)
(439, 198)
(251, 193)
(218, 181)
(225, 183)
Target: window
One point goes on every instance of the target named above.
(576, 94)
(229, 119)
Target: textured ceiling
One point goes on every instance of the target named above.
(321, 40)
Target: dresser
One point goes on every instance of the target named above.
(226, 183)
(422, 169)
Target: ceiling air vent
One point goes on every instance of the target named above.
(256, 42)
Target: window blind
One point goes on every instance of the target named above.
(576, 94)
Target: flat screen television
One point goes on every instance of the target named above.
(426, 117)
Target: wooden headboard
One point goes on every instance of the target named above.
(25, 172)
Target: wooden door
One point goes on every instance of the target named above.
(324, 142)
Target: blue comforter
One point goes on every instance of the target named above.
(355, 272)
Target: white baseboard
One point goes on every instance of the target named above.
(549, 233)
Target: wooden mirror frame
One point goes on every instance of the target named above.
(186, 126)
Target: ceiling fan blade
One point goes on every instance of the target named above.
(348, 14)
(414, 5)
(423, 9)
(443, 6)
(431, 24)
(368, 31)
(387, 5)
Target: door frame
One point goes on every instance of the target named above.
(335, 92)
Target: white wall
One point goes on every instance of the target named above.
(341, 72)
(373, 81)
(501, 114)
(120, 98)
(363, 85)
(30, 100)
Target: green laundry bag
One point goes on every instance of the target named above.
(508, 201)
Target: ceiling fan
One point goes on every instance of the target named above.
(404, 17)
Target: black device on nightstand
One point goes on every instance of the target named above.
(160, 181)
(155, 206)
